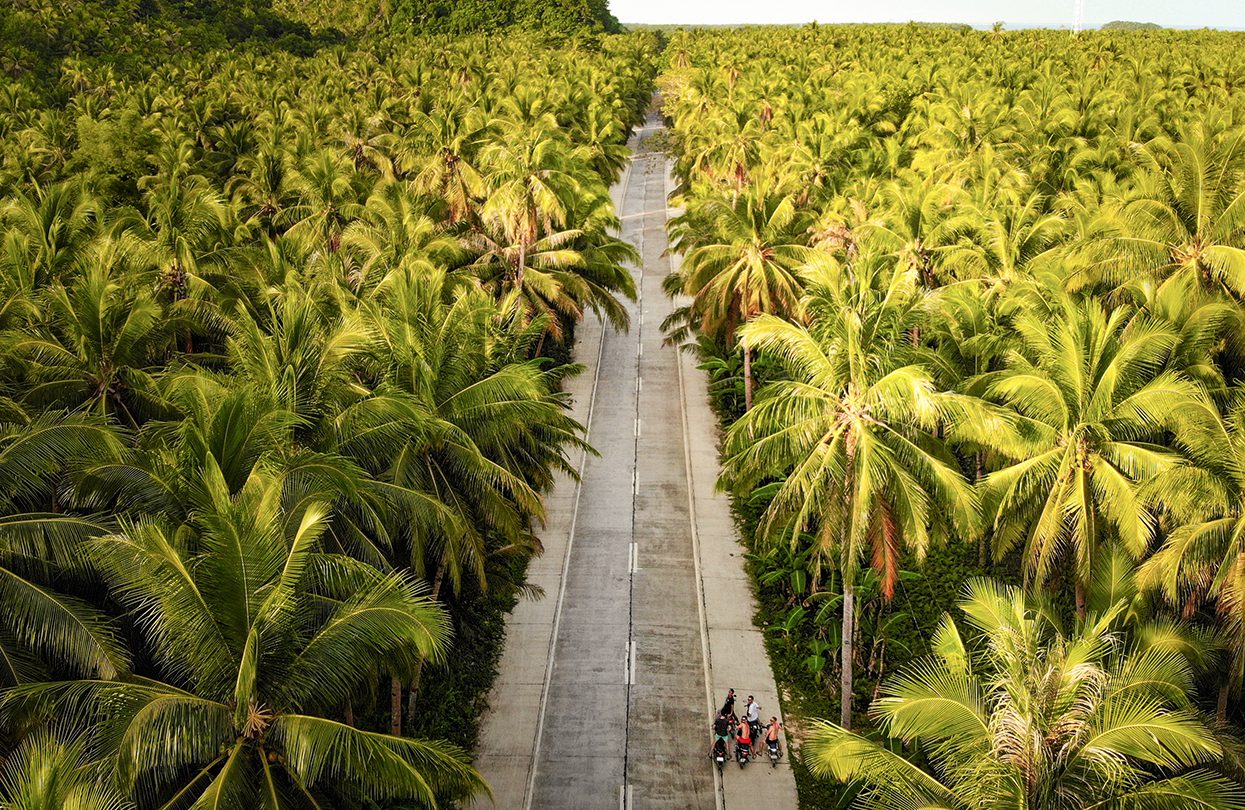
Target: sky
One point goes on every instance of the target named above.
(1015, 13)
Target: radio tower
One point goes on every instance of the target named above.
(1078, 16)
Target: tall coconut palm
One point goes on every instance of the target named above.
(492, 428)
(327, 201)
(531, 185)
(1090, 397)
(55, 224)
(1186, 216)
(264, 190)
(1005, 239)
(310, 365)
(1025, 715)
(184, 235)
(396, 229)
(729, 158)
(256, 636)
(41, 547)
(440, 156)
(50, 771)
(920, 225)
(96, 342)
(1203, 558)
(851, 433)
(554, 279)
(739, 261)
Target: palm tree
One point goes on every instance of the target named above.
(96, 342)
(1004, 240)
(1185, 217)
(728, 158)
(257, 635)
(920, 225)
(554, 278)
(491, 432)
(327, 201)
(55, 224)
(1029, 716)
(740, 261)
(531, 185)
(41, 546)
(302, 354)
(851, 432)
(396, 229)
(50, 771)
(185, 235)
(1203, 558)
(263, 191)
(1090, 397)
(440, 155)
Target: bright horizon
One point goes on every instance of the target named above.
(1015, 13)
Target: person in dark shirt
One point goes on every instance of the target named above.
(721, 727)
(728, 706)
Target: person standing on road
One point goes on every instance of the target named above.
(752, 713)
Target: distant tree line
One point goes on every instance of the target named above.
(37, 35)
(462, 16)
(1130, 25)
(451, 17)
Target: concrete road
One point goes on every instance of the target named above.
(608, 683)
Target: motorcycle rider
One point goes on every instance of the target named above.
(772, 735)
(743, 738)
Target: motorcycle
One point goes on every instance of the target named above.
(719, 755)
(771, 747)
(743, 753)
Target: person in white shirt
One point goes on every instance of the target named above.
(752, 712)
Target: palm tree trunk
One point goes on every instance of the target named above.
(395, 706)
(413, 695)
(847, 570)
(747, 379)
(1088, 544)
(1221, 705)
(983, 545)
(845, 674)
(349, 713)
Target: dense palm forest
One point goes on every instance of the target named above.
(280, 361)
(287, 297)
(972, 302)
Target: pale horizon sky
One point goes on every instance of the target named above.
(1015, 13)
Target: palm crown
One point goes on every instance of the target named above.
(1021, 714)
(257, 634)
